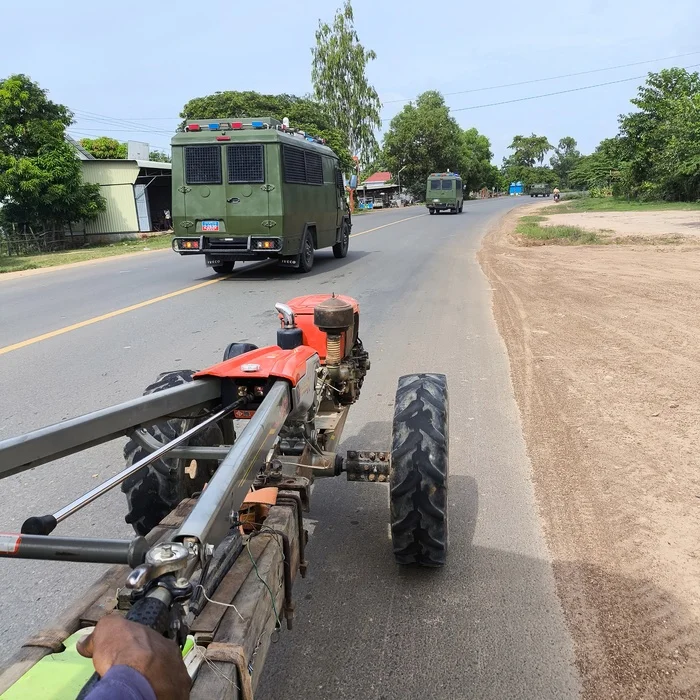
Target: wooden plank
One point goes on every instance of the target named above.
(254, 603)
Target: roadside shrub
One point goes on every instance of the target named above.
(574, 195)
(600, 192)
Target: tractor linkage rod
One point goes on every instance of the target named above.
(45, 524)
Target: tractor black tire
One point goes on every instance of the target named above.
(153, 491)
(431, 211)
(340, 249)
(236, 349)
(461, 206)
(419, 470)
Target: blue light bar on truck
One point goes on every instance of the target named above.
(213, 127)
(257, 125)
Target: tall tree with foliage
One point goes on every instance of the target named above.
(303, 113)
(41, 187)
(476, 169)
(104, 147)
(660, 142)
(340, 82)
(565, 159)
(424, 138)
(528, 150)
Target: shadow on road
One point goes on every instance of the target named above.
(270, 271)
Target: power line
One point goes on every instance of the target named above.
(103, 118)
(557, 77)
(550, 94)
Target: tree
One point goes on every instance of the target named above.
(41, 185)
(341, 85)
(28, 119)
(604, 168)
(159, 157)
(424, 138)
(104, 147)
(303, 113)
(476, 169)
(661, 140)
(528, 150)
(565, 159)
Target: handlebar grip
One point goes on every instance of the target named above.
(148, 611)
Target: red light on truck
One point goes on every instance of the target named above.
(194, 127)
(223, 138)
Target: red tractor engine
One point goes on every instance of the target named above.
(330, 325)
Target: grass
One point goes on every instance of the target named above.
(31, 262)
(529, 227)
(616, 204)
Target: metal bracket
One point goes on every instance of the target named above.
(184, 189)
(150, 444)
(368, 466)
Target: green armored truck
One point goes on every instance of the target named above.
(256, 189)
(444, 193)
(541, 189)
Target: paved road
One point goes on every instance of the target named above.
(487, 626)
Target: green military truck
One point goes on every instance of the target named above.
(444, 193)
(256, 189)
(541, 189)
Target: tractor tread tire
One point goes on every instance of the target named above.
(153, 491)
(419, 460)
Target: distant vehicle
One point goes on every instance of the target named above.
(540, 190)
(256, 189)
(444, 193)
(378, 203)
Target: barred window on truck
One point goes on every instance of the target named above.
(203, 165)
(245, 163)
(303, 167)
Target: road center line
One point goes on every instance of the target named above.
(104, 317)
(148, 302)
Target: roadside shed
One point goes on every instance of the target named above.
(138, 192)
(516, 188)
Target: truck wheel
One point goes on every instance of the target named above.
(431, 211)
(461, 206)
(306, 255)
(419, 468)
(153, 491)
(225, 268)
(340, 249)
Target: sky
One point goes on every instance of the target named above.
(126, 68)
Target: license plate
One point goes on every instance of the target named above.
(210, 225)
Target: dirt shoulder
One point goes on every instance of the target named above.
(604, 347)
(625, 224)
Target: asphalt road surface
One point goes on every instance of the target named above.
(489, 625)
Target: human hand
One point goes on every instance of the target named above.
(118, 642)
